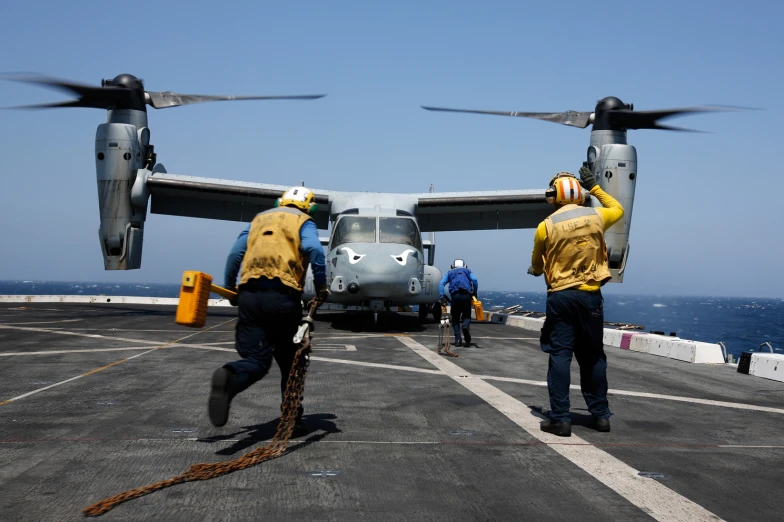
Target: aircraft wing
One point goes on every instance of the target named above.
(489, 210)
(178, 195)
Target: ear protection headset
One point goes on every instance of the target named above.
(461, 262)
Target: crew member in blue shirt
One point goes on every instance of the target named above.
(462, 286)
(271, 257)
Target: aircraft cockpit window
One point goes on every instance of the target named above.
(400, 230)
(352, 229)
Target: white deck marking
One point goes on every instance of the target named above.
(39, 390)
(60, 352)
(77, 334)
(214, 347)
(723, 404)
(44, 322)
(378, 365)
(343, 347)
(650, 496)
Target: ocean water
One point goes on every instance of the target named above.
(741, 323)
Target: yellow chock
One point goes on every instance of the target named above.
(478, 309)
(194, 296)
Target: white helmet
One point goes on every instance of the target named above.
(459, 263)
(299, 197)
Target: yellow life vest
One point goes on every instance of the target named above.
(274, 248)
(575, 252)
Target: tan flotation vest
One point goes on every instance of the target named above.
(274, 248)
(575, 252)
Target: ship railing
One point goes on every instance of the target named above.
(724, 351)
(729, 358)
(770, 347)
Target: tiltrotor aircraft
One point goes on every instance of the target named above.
(376, 256)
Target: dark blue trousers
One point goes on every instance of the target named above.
(461, 313)
(575, 325)
(267, 323)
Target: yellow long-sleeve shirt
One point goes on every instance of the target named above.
(611, 214)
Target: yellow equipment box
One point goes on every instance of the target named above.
(478, 309)
(194, 295)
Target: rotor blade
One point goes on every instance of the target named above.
(88, 95)
(53, 105)
(570, 118)
(62, 85)
(650, 119)
(162, 100)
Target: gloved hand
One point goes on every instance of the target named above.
(234, 301)
(322, 294)
(444, 300)
(531, 272)
(586, 176)
(311, 324)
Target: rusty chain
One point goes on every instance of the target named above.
(291, 400)
(443, 336)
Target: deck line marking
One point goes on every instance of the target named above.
(709, 402)
(91, 336)
(115, 363)
(212, 347)
(59, 352)
(747, 446)
(345, 347)
(378, 365)
(650, 496)
(44, 322)
(388, 442)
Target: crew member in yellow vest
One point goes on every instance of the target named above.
(272, 257)
(569, 250)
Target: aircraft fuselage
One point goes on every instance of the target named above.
(375, 257)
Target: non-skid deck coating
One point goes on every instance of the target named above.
(99, 399)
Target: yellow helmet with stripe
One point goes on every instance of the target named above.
(564, 189)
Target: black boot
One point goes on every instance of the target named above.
(223, 386)
(301, 428)
(602, 425)
(467, 336)
(562, 429)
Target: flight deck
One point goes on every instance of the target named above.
(99, 399)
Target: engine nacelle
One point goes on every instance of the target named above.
(118, 157)
(615, 168)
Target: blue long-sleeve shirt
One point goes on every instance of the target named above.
(309, 242)
(445, 280)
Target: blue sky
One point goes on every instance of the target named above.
(708, 207)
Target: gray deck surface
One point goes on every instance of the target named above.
(388, 443)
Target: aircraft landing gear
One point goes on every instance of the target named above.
(423, 311)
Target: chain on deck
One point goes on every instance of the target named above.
(443, 335)
(291, 401)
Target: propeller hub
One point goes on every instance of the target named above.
(603, 118)
(611, 103)
(127, 81)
